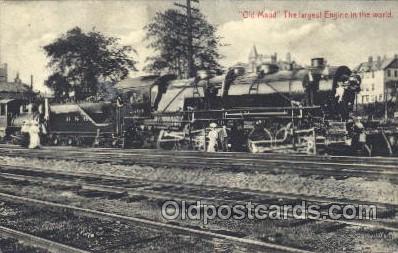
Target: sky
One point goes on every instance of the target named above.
(27, 26)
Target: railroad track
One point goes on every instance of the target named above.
(226, 155)
(38, 242)
(249, 245)
(386, 168)
(119, 186)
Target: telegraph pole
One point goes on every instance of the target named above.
(189, 33)
(189, 36)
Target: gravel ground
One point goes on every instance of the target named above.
(381, 190)
(319, 236)
(94, 234)
(11, 245)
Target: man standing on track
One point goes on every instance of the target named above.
(34, 137)
(213, 138)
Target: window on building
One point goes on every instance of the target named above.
(367, 98)
(373, 74)
(373, 86)
(395, 73)
(381, 97)
(388, 72)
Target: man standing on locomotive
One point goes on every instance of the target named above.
(311, 86)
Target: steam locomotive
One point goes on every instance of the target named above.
(267, 110)
(273, 109)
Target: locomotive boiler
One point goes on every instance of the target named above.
(289, 106)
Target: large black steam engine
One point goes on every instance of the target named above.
(294, 109)
(267, 110)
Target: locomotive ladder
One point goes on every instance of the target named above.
(195, 90)
(254, 87)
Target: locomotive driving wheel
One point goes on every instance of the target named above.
(55, 140)
(258, 139)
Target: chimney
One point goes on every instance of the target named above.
(6, 72)
(288, 57)
(378, 60)
(370, 59)
(31, 82)
(3, 73)
(17, 79)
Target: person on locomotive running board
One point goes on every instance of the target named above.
(213, 138)
(34, 137)
(359, 138)
(340, 92)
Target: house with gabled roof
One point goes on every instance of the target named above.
(379, 80)
(15, 89)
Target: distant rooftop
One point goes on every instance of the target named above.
(376, 64)
(16, 87)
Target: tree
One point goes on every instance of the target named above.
(167, 35)
(81, 61)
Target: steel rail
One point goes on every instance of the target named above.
(303, 157)
(146, 182)
(154, 224)
(39, 242)
(223, 159)
(183, 196)
(393, 163)
(307, 168)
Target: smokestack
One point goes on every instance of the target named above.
(31, 82)
(318, 62)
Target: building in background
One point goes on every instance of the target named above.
(256, 59)
(15, 89)
(379, 80)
